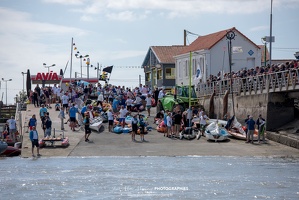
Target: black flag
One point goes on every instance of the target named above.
(108, 69)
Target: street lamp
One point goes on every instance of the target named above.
(6, 87)
(80, 57)
(230, 35)
(98, 68)
(23, 86)
(45, 65)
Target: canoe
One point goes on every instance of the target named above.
(236, 129)
(236, 134)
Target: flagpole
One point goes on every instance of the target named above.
(270, 61)
(190, 65)
(71, 65)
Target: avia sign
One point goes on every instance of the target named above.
(52, 76)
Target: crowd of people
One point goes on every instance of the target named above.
(243, 73)
(74, 105)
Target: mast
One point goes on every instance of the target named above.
(71, 65)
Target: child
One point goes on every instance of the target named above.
(57, 106)
(169, 124)
(142, 127)
(134, 127)
(110, 120)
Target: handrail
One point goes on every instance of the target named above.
(265, 83)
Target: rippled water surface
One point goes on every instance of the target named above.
(149, 178)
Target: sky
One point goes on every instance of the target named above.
(120, 32)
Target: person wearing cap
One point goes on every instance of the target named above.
(33, 135)
(250, 126)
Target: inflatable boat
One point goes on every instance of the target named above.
(188, 133)
(215, 132)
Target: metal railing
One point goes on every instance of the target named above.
(260, 84)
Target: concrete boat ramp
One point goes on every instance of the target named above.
(111, 144)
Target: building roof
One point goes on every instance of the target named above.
(164, 54)
(208, 41)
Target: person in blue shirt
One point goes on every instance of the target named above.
(72, 112)
(250, 126)
(115, 105)
(32, 122)
(83, 110)
(33, 135)
(42, 111)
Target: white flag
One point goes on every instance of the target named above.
(198, 73)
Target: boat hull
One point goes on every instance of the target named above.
(11, 151)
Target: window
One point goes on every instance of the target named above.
(154, 74)
(159, 74)
(194, 66)
(179, 69)
(169, 73)
(186, 69)
(147, 76)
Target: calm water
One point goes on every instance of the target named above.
(149, 178)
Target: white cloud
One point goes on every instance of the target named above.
(259, 28)
(29, 42)
(126, 16)
(128, 10)
(86, 18)
(66, 2)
